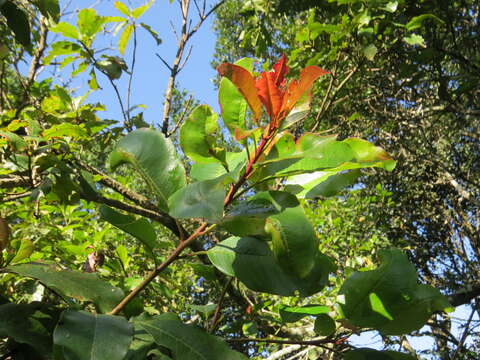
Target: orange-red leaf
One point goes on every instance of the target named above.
(299, 87)
(245, 83)
(280, 69)
(270, 95)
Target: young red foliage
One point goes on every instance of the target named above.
(270, 88)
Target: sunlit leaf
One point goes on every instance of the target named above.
(203, 199)
(122, 8)
(89, 22)
(155, 159)
(198, 135)
(66, 29)
(389, 298)
(291, 314)
(297, 88)
(245, 83)
(124, 37)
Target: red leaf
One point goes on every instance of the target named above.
(270, 95)
(245, 83)
(280, 69)
(299, 87)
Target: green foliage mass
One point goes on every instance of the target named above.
(195, 238)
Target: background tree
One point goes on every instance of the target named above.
(168, 235)
(405, 75)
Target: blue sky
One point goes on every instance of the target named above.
(151, 76)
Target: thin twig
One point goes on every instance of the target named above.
(464, 335)
(216, 315)
(202, 229)
(115, 88)
(132, 69)
(175, 68)
(182, 116)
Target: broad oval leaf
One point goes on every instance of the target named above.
(202, 199)
(233, 104)
(81, 335)
(89, 22)
(198, 135)
(291, 314)
(248, 218)
(253, 263)
(324, 325)
(138, 228)
(294, 242)
(154, 158)
(389, 298)
(186, 342)
(81, 286)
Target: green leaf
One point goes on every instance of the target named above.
(321, 155)
(68, 130)
(154, 158)
(253, 263)
(370, 354)
(62, 48)
(23, 249)
(138, 228)
(92, 83)
(17, 21)
(389, 298)
(415, 39)
(232, 103)
(198, 136)
(89, 23)
(290, 314)
(294, 242)
(186, 342)
(139, 11)
(67, 30)
(321, 183)
(152, 32)
(81, 286)
(30, 324)
(417, 21)
(124, 37)
(122, 8)
(202, 199)
(324, 325)
(49, 8)
(200, 172)
(248, 218)
(370, 51)
(80, 335)
(207, 310)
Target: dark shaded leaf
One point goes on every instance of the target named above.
(80, 335)
(81, 286)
